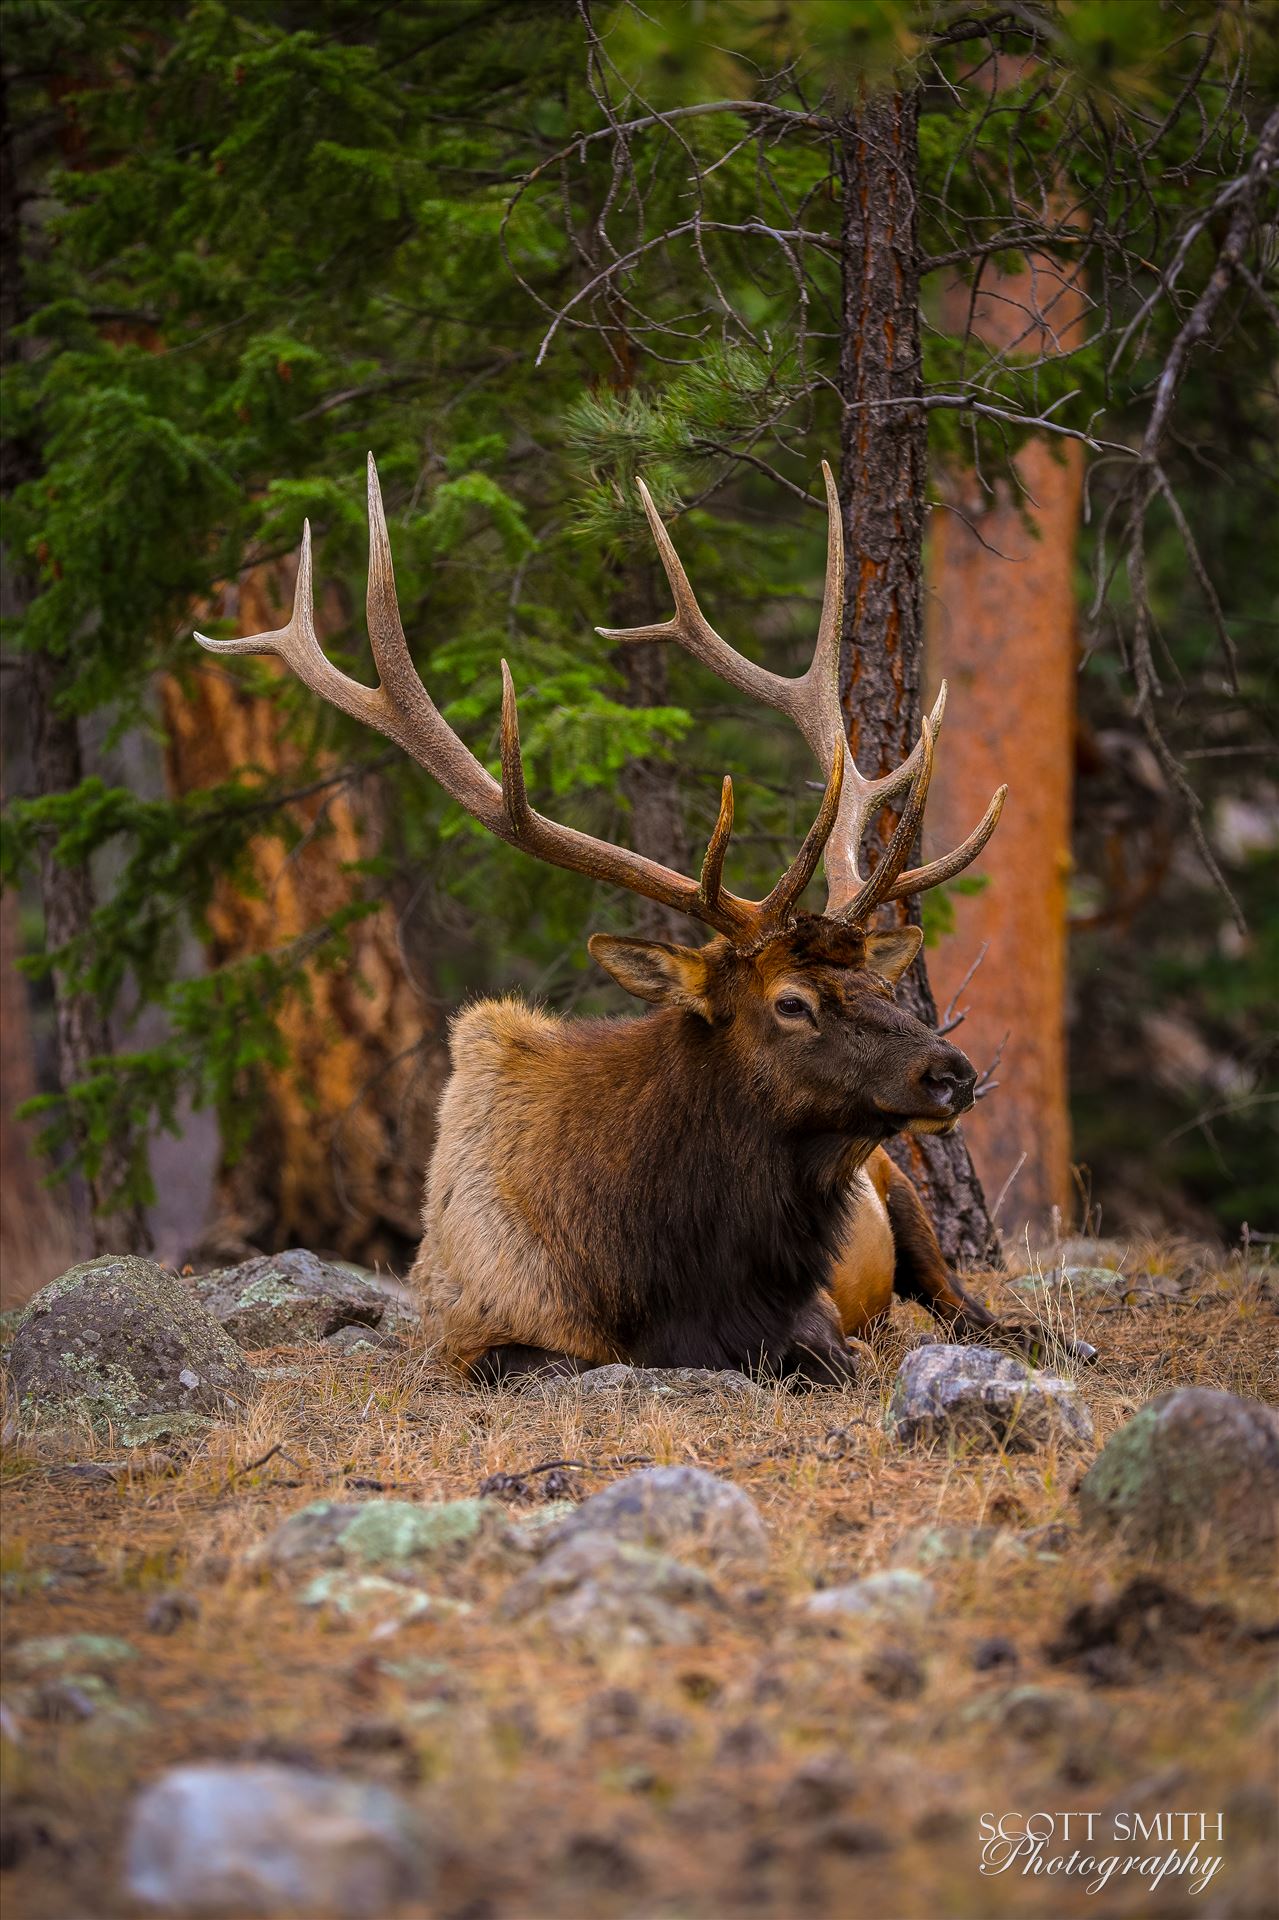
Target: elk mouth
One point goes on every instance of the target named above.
(941, 1118)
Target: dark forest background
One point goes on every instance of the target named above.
(1011, 268)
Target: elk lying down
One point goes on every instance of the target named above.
(704, 1185)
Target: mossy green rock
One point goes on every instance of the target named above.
(1193, 1469)
(118, 1340)
(284, 1299)
(55, 1652)
(370, 1598)
(375, 1535)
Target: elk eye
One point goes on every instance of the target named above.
(791, 1007)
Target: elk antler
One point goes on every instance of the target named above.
(805, 700)
(400, 707)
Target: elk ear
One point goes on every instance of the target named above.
(891, 953)
(651, 970)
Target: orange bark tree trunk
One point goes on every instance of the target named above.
(339, 1151)
(1002, 632)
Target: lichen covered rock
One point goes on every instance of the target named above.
(985, 1399)
(898, 1594)
(677, 1509)
(1193, 1468)
(285, 1299)
(122, 1342)
(379, 1536)
(601, 1593)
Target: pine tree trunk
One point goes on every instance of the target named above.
(339, 1151)
(652, 789)
(883, 451)
(83, 1034)
(67, 895)
(1002, 631)
(37, 1236)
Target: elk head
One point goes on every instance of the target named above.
(807, 999)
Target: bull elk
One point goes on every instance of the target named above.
(704, 1185)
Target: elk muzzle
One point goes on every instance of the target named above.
(938, 1090)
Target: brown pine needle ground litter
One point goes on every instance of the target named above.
(784, 1766)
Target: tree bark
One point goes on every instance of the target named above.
(652, 789)
(1002, 631)
(83, 1034)
(883, 453)
(1005, 638)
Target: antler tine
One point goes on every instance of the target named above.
(716, 847)
(863, 798)
(298, 646)
(514, 791)
(781, 901)
(919, 879)
(879, 887)
(691, 629)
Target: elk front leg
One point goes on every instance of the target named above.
(819, 1353)
(502, 1365)
(920, 1273)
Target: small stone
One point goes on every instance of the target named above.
(168, 1611)
(602, 1594)
(120, 1341)
(85, 1652)
(267, 1838)
(603, 1862)
(994, 1652)
(286, 1299)
(985, 1399)
(681, 1509)
(744, 1744)
(897, 1594)
(818, 1788)
(843, 1834)
(894, 1673)
(930, 1546)
(1049, 1541)
(350, 1342)
(1194, 1469)
(1031, 1713)
(383, 1535)
(368, 1597)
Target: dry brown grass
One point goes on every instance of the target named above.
(699, 1809)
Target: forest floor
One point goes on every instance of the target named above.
(783, 1766)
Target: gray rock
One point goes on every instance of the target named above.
(602, 1593)
(60, 1652)
(372, 1600)
(266, 1839)
(930, 1546)
(681, 1383)
(1193, 1468)
(123, 1343)
(983, 1398)
(284, 1299)
(684, 1509)
(1083, 1283)
(384, 1535)
(898, 1595)
(1033, 1713)
(355, 1340)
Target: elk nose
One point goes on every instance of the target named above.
(950, 1081)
